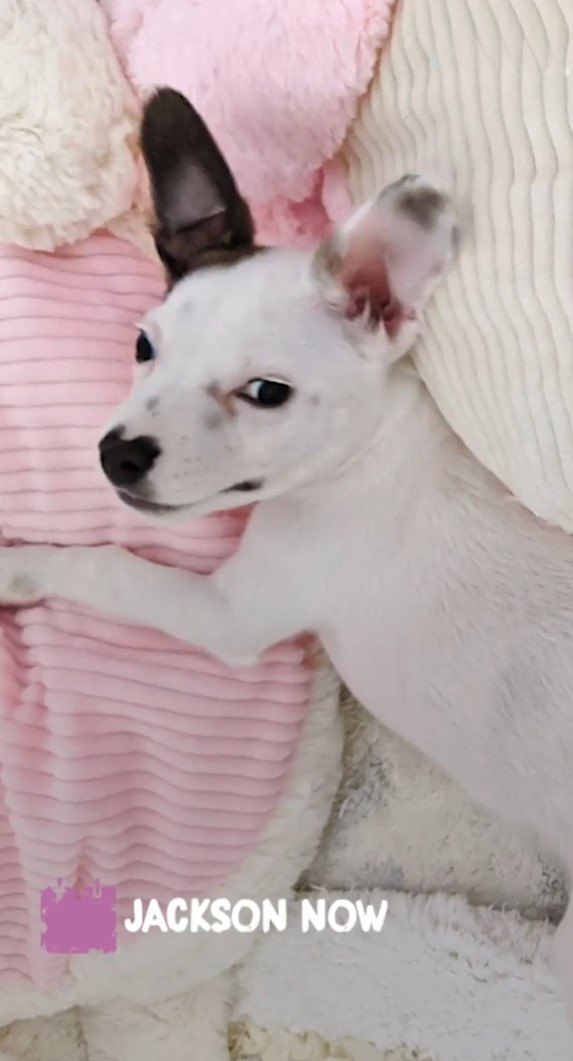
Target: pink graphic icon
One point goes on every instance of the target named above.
(77, 921)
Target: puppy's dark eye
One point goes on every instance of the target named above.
(266, 393)
(143, 348)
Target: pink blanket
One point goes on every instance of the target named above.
(123, 755)
(278, 82)
(126, 756)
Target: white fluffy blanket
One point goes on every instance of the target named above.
(442, 982)
(479, 986)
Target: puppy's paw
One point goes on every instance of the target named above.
(21, 571)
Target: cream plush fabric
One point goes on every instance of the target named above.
(68, 127)
(478, 93)
(162, 1030)
(479, 985)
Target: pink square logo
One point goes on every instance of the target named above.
(79, 921)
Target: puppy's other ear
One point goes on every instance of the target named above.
(199, 211)
(380, 266)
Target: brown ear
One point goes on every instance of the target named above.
(199, 211)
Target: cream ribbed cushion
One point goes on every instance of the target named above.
(477, 93)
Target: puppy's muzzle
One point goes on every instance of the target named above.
(126, 462)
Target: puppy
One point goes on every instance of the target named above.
(275, 376)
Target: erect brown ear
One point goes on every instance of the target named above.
(199, 211)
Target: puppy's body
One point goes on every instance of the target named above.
(445, 606)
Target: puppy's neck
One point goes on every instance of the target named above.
(398, 444)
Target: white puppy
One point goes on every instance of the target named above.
(272, 376)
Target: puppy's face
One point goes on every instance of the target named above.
(263, 369)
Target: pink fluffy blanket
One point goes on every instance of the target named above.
(125, 756)
(278, 82)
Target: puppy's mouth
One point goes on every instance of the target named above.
(143, 504)
(245, 487)
(157, 508)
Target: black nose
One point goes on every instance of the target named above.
(126, 461)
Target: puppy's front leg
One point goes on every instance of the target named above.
(228, 614)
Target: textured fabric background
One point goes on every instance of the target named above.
(479, 94)
(278, 82)
(68, 126)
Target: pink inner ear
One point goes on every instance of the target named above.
(367, 283)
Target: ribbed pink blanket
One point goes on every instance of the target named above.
(124, 755)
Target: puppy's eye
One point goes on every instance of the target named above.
(143, 349)
(266, 393)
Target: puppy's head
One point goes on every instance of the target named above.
(262, 369)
